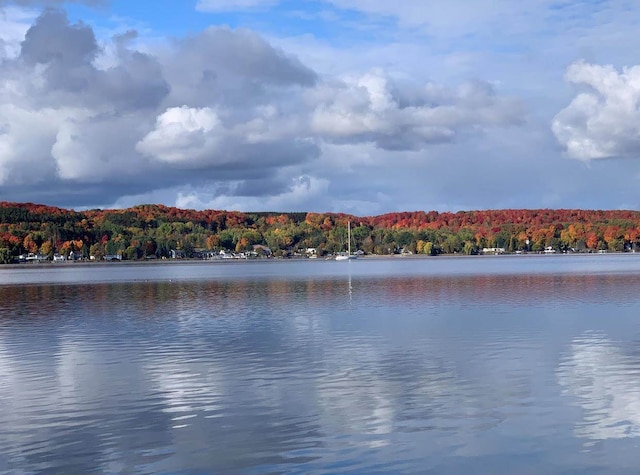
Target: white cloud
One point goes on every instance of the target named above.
(91, 148)
(604, 120)
(182, 134)
(355, 108)
(69, 153)
(14, 23)
(491, 18)
(227, 111)
(399, 116)
(22, 150)
(303, 193)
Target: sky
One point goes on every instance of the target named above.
(354, 106)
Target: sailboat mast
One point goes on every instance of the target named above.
(349, 234)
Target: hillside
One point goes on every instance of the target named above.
(154, 230)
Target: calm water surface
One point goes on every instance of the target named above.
(463, 365)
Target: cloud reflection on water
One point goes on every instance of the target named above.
(603, 381)
(386, 373)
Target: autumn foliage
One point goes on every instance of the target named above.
(154, 230)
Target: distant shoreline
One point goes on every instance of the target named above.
(71, 264)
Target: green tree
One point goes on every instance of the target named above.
(113, 247)
(132, 252)
(359, 234)
(5, 255)
(469, 248)
(428, 248)
(405, 238)
(452, 244)
(227, 239)
(616, 245)
(503, 239)
(97, 251)
(47, 249)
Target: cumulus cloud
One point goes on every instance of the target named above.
(220, 110)
(57, 59)
(233, 68)
(71, 121)
(299, 193)
(604, 120)
(53, 40)
(97, 149)
(181, 134)
(14, 23)
(400, 116)
(68, 119)
(21, 150)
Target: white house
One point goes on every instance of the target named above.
(493, 250)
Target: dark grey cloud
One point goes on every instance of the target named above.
(233, 68)
(52, 40)
(244, 54)
(66, 50)
(137, 81)
(68, 53)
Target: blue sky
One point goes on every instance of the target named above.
(175, 18)
(359, 106)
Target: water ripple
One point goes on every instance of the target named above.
(365, 373)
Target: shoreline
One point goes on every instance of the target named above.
(150, 262)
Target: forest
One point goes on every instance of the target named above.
(153, 231)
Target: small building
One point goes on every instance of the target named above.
(209, 255)
(493, 250)
(226, 255)
(261, 250)
(31, 257)
(113, 257)
(75, 256)
(549, 250)
(59, 258)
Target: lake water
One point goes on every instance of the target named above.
(442, 365)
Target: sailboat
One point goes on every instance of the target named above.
(348, 256)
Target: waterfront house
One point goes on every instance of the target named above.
(261, 250)
(31, 257)
(493, 250)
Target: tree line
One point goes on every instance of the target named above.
(152, 231)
